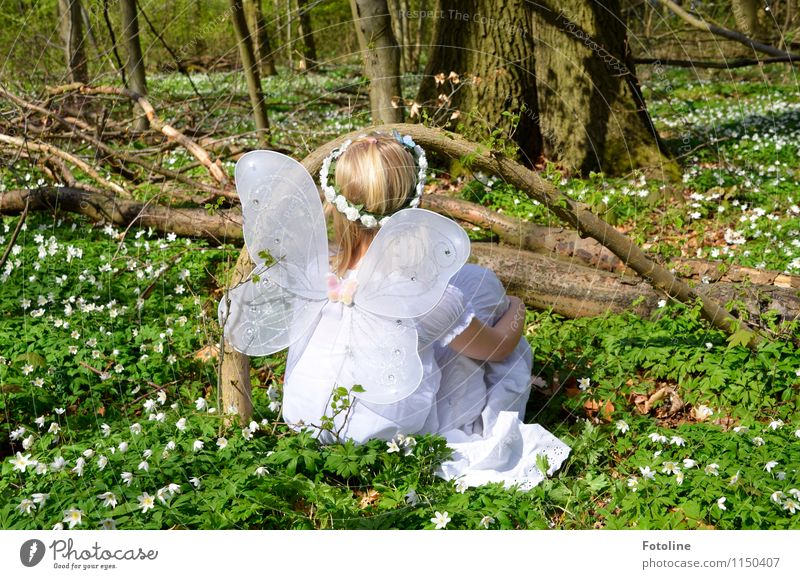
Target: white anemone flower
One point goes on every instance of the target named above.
(441, 519)
(73, 517)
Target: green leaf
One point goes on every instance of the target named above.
(740, 337)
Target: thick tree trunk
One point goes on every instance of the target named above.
(489, 45)
(71, 32)
(748, 15)
(381, 59)
(305, 34)
(134, 64)
(250, 69)
(258, 32)
(592, 113)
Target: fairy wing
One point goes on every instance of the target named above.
(284, 231)
(377, 353)
(409, 263)
(283, 221)
(402, 276)
(262, 318)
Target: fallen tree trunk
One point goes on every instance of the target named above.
(223, 226)
(563, 243)
(574, 290)
(570, 287)
(226, 226)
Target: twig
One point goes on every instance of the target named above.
(181, 68)
(214, 168)
(702, 24)
(737, 63)
(127, 157)
(14, 235)
(149, 289)
(107, 19)
(53, 150)
(156, 387)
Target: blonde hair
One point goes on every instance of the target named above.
(375, 171)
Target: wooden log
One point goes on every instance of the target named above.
(223, 226)
(574, 290)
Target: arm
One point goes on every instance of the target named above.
(492, 343)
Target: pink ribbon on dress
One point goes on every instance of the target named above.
(341, 290)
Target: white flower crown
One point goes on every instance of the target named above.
(353, 212)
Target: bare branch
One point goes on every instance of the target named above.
(727, 32)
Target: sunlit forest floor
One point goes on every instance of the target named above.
(111, 417)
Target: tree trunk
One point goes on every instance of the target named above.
(565, 244)
(592, 113)
(250, 69)
(289, 53)
(480, 69)
(748, 15)
(305, 34)
(71, 32)
(381, 59)
(396, 18)
(567, 76)
(134, 64)
(258, 32)
(575, 291)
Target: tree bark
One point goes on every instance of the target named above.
(481, 69)
(566, 76)
(72, 39)
(222, 227)
(381, 59)
(250, 69)
(747, 16)
(573, 290)
(260, 36)
(135, 62)
(565, 244)
(592, 113)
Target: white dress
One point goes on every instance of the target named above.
(477, 406)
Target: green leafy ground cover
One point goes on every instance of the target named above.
(110, 417)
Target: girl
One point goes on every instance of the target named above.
(476, 365)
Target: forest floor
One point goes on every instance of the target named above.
(111, 418)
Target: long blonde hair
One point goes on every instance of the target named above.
(378, 172)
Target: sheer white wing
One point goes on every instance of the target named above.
(409, 263)
(377, 353)
(283, 221)
(402, 276)
(285, 234)
(263, 318)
